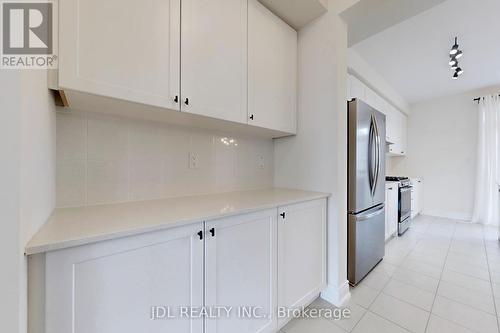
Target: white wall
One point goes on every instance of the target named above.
(105, 159)
(442, 148)
(10, 91)
(27, 147)
(316, 158)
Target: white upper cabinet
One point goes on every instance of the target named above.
(127, 50)
(148, 59)
(214, 58)
(398, 124)
(272, 70)
(240, 263)
(396, 121)
(357, 88)
(391, 131)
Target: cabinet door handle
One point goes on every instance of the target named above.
(390, 188)
(200, 234)
(283, 215)
(212, 232)
(186, 101)
(251, 117)
(176, 99)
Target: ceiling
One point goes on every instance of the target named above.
(413, 55)
(365, 18)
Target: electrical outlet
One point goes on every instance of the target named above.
(194, 161)
(261, 163)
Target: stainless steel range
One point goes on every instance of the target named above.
(404, 207)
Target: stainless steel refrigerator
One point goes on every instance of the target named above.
(366, 189)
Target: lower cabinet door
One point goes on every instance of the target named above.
(241, 273)
(112, 286)
(301, 254)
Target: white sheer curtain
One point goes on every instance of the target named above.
(486, 205)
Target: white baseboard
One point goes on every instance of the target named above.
(337, 296)
(448, 215)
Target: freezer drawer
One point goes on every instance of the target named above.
(366, 242)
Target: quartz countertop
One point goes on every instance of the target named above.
(69, 227)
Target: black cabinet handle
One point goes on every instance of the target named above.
(283, 215)
(200, 234)
(186, 101)
(176, 99)
(251, 117)
(212, 232)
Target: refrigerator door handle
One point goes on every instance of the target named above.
(370, 155)
(377, 154)
(369, 216)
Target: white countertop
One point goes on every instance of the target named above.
(68, 227)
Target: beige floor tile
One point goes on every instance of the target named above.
(410, 294)
(480, 301)
(416, 279)
(311, 326)
(363, 295)
(423, 268)
(405, 315)
(466, 281)
(347, 324)
(440, 325)
(464, 315)
(372, 323)
(375, 280)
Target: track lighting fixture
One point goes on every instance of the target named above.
(454, 49)
(455, 54)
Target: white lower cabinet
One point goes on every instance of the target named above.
(301, 254)
(416, 197)
(250, 264)
(110, 287)
(391, 209)
(240, 270)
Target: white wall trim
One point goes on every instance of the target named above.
(337, 296)
(448, 215)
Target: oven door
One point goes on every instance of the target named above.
(404, 203)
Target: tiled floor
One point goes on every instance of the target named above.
(441, 276)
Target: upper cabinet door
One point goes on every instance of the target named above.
(240, 264)
(272, 70)
(127, 50)
(214, 58)
(358, 89)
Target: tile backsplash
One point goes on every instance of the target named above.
(107, 159)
